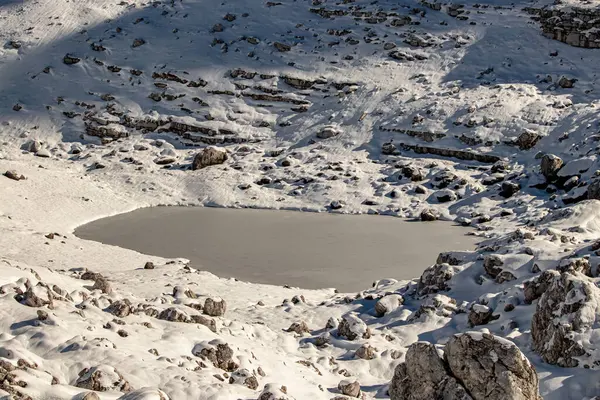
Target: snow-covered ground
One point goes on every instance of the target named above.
(321, 106)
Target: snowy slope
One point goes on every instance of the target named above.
(378, 107)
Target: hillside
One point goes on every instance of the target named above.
(485, 114)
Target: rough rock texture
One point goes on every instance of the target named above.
(350, 388)
(299, 328)
(215, 307)
(102, 378)
(120, 308)
(244, 377)
(366, 352)
(575, 26)
(14, 175)
(550, 166)
(564, 319)
(475, 366)
(480, 315)
(424, 376)
(387, 304)
(491, 368)
(273, 392)
(145, 393)
(209, 156)
(351, 327)
(492, 265)
(434, 279)
(218, 353)
(535, 288)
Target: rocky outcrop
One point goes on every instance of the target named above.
(475, 366)
(565, 318)
(575, 26)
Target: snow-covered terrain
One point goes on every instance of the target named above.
(404, 108)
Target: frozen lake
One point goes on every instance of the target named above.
(308, 250)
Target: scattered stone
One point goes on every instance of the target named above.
(349, 388)
(388, 304)
(209, 156)
(102, 378)
(282, 47)
(218, 353)
(138, 42)
(429, 215)
(550, 166)
(528, 139)
(491, 368)
(149, 265)
(566, 311)
(299, 328)
(351, 327)
(12, 174)
(328, 132)
(70, 60)
(366, 352)
(509, 189)
(480, 315)
(214, 307)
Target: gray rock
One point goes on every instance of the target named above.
(349, 388)
(424, 376)
(215, 307)
(593, 190)
(491, 368)
(351, 327)
(11, 174)
(388, 304)
(435, 279)
(299, 328)
(566, 310)
(428, 215)
(550, 166)
(218, 353)
(528, 139)
(479, 315)
(102, 378)
(509, 189)
(282, 46)
(209, 156)
(70, 60)
(120, 308)
(366, 352)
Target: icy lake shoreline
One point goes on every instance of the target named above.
(308, 250)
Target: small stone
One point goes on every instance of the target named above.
(70, 60)
(348, 388)
(149, 265)
(428, 215)
(12, 174)
(282, 47)
(138, 42)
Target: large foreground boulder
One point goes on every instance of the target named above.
(491, 368)
(209, 156)
(475, 366)
(423, 376)
(567, 319)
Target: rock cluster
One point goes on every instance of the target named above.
(475, 366)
